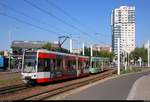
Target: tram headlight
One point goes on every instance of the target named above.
(33, 76)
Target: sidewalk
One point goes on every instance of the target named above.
(141, 89)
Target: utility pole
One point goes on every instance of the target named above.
(71, 45)
(148, 53)
(9, 63)
(91, 50)
(118, 56)
(83, 48)
(126, 61)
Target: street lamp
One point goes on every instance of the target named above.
(118, 72)
(148, 54)
(10, 33)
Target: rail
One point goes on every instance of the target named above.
(56, 91)
(13, 88)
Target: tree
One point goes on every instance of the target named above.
(47, 46)
(106, 54)
(2, 53)
(139, 52)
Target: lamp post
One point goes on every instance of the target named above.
(70, 45)
(10, 33)
(9, 65)
(118, 56)
(83, 49)
(91, 50)
(148, 53)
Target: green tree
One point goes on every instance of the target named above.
(139, 52)
(106, 54)
(47, 46)
(2, 53)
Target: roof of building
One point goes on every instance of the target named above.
(30, 44)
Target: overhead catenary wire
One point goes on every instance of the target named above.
(65, 13)
(25, 15)
(15, 18)
(57, 18)
(51, 14)
(21, 13)
(71, 17)
(24, 22)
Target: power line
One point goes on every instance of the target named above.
(64, 12)
(21, 13)
(21, 21)
(52, 15)
(57, 18)
(67, 14)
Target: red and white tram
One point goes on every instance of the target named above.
(42, 66)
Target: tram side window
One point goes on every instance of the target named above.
(44, 65)
(93, 64)
(72, 64)
(99, 64)
(59, 64)
(83, 65)
(53, 64)
(80, 65)
(87, 64)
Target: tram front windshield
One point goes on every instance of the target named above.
(29, 62)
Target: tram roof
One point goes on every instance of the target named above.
(59, 53)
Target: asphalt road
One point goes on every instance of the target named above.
(113, 89)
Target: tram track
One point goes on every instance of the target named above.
(62, 89)
(12, 88)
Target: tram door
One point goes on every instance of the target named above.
(56, 68)
(53, 68)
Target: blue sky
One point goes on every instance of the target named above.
(93, 18)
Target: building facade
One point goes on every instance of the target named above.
(123, 27)
(99, 48)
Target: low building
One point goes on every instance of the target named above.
(77, 51)
(97, 47)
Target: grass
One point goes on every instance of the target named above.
(10, 81)
(132, 70)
